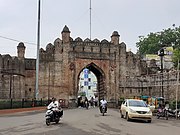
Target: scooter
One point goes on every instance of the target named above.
(53, 116)
(103, 109)
(86, 104)
(178, 115)
(162, 112)
(173, 113)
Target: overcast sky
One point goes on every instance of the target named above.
(131, 18)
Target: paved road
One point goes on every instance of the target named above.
(84, 122)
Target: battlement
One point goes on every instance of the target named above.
(68, 44)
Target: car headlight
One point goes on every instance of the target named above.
(131, 110)
(149, 112)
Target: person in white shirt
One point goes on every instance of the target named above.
(54, 106)
(103, 102)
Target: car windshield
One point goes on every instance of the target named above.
(137, 103)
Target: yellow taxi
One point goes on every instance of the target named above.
(135, 109)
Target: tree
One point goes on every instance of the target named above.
(176, 56)
(155, 41)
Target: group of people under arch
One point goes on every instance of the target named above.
(93, 101)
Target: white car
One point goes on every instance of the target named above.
(135, 109)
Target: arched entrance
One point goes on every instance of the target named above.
(100, 76)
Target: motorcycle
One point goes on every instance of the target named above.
(86, 104)
(162, 112)
(173, 113)
(53, 116)
(178, 115)
(103, 109)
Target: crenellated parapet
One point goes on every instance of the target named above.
(94, 48)
(11, 65)
(7, 61)
(47, 54)
(86, 45)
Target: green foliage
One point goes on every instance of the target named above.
(176, 57)
(155, 41)
(172, 104)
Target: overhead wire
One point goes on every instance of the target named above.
(12, 39)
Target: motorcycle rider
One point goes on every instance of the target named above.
(86, 102)
(54, 105)
(103, 102)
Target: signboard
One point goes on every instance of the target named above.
(86, 73)
(86, 76)
(152, 56)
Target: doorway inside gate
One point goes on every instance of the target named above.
(91, 83)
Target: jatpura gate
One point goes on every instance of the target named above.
(61, 63)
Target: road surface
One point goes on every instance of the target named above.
(80, 121)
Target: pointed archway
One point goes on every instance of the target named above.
(100, 76)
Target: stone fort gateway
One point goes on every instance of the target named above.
(61, 63)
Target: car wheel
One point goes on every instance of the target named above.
(122, 116)
(127, 117)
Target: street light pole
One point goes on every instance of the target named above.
(161, 54)
(37, 59)
(10, 86)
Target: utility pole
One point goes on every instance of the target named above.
(90, 19)
(37, 59)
